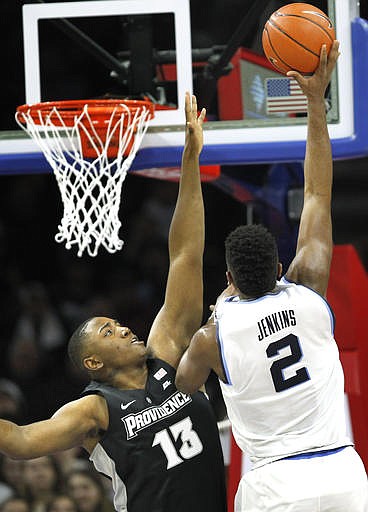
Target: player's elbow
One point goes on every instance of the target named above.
(184, 385)
(20, 451)
(15, 452)
(16, 456)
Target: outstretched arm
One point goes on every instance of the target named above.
(181, 313)
(311, 265)
(75, 424)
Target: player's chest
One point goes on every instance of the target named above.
(142, 416)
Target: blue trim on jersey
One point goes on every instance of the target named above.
(268, 295)
(231, 298)
(311, 455)
(328, 307)
(223, 361)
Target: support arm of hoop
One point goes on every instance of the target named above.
(90, 46)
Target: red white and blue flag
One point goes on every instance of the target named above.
(283, 95)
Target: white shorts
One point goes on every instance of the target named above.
(328, 483)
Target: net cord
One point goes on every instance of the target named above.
(90, 188)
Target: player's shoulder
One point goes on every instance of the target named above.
(310, 274)
(91, 401)
(89, 405)
(96, 407)
(299, 287)
(206, 335)
(88, 413)
(93, 410)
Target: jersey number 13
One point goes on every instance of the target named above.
(182, 431)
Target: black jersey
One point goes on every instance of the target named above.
(162, 449)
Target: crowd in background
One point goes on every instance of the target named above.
(47, 291)
(60, 483)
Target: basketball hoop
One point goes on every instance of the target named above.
(90, 145)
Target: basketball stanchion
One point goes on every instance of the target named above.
(90, 145)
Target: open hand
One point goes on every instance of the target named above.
(193, 127)
(315, 85)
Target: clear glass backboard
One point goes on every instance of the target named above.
(135, 48)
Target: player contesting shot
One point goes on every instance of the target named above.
(270, 341)
(159, 447)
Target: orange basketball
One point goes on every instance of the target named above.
(293, 36)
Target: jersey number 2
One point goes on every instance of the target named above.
(191, 444)
(277, 367)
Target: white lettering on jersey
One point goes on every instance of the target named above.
(134, 423)
(275, 322)
(191, 443)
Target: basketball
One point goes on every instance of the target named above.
(293, 36)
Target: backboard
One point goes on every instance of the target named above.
(117, 48)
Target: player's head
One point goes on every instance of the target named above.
(101, 346)
(252, 259)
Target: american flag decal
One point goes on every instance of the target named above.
(283, 95)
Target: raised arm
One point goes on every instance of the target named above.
(203, 354)
(181, 313)
(75, 424)
(311, 265)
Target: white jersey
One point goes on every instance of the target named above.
(285, 385)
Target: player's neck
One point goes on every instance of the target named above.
(134, 377)
(243, 296)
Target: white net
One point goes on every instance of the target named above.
(90, 187)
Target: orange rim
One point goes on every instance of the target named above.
(99, 110)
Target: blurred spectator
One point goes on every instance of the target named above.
(11, 478)
(43, 480)
(69, 460)
(37, 345)
(62, 503)
(37, 336)
(38, 331)
(100, 305)
(88, 490)
(15, 504)
(6, 493)
(153, 270)
(74, 288)
(151, 224)
(11, 401)
(25, 360)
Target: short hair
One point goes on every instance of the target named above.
(90, 474)
(15, 497)
(56, 497)
(252, 256)
(76, 345)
